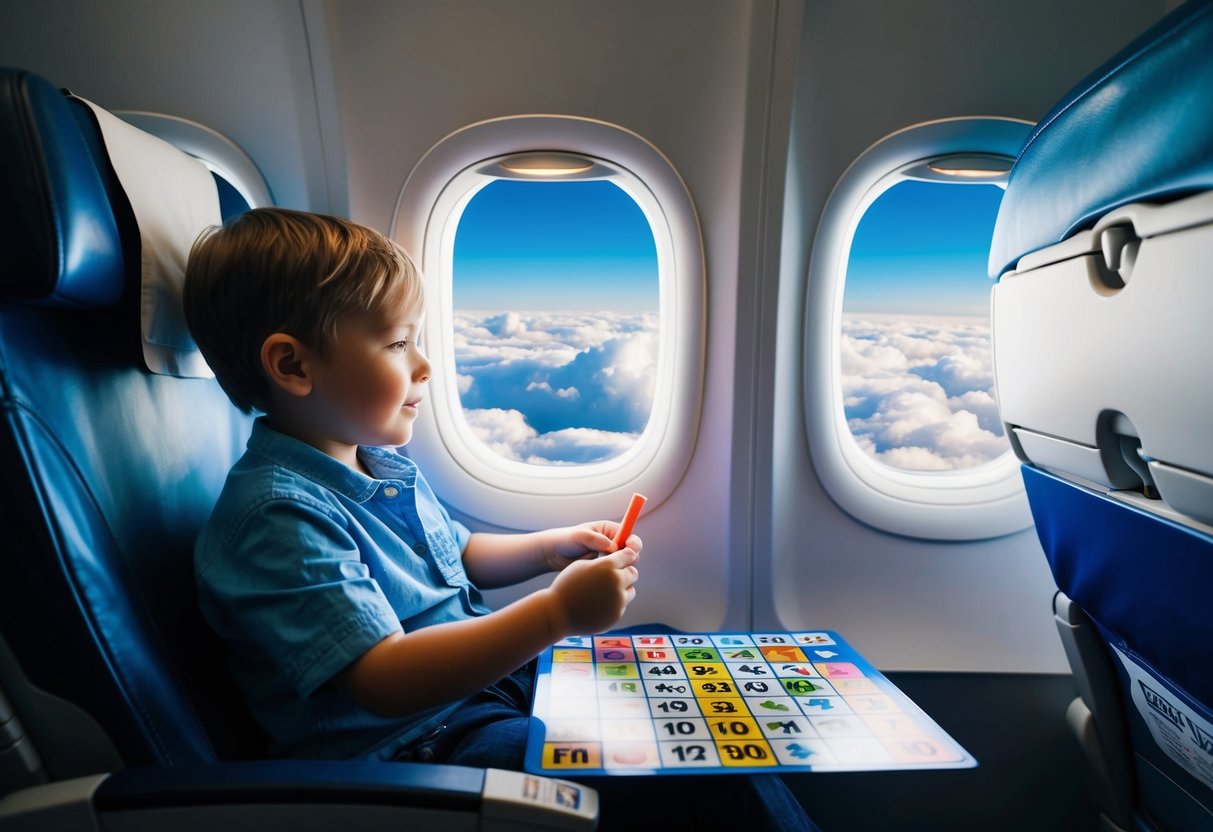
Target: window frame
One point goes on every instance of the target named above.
(475, 480)
(976, 503)
(216, 151)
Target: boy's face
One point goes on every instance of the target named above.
(372, 381)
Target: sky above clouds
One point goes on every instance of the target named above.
(917, 377)
(555, 287)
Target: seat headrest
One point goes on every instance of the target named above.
(1137, 129)
(96, 208)
(59, 233)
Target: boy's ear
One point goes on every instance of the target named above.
(286, 362)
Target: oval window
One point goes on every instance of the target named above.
(899, 397)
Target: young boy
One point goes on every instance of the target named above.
(347, 595)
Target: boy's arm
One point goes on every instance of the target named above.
(493, 560)
(408, 672)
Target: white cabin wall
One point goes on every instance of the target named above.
(867, 69)
(237, 67)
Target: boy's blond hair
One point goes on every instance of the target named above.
(275, 270)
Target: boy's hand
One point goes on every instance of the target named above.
(592, 595)
(563, 546)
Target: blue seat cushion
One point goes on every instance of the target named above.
(1138, 129)
(1142, 578)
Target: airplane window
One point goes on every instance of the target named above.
(917, 373)
(564, 321)
(899, 396)
(555, 299)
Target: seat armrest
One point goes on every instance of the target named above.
(303, 795)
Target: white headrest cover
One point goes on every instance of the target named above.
(174, 199)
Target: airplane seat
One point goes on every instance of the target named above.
(115, 699)
(1101, 348)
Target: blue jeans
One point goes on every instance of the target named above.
(490, 731)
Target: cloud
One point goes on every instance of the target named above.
(556, 387)
(507, 433)
(920, 394)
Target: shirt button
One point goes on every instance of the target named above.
(421, 548)
(390, 491)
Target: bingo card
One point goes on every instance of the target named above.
(680, 703)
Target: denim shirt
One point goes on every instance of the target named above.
(305, 564)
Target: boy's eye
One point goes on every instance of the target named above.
(399, 345)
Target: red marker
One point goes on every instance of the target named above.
(629, 520)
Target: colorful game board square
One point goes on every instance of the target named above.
(892, 725)
(571, 730)
(743, 753)
(873, 703)
(795, 670)
(750, 670)
(623, 687)
(627, 730)
(786, 727)
(673, 707)
(698, 655)
(624, 707)
(779, 653)
(859, 751)
(571, 654)
(813, 638)
(572, 755)
(691, 641)
(723, 706)
(667, 688)
(711, 671)
(683, 728)
(771, 638)
(841, 725)
(614, 655)
(760, 687)
(617, 670)
(616, 642)
(583, 688)
(920, 749)
(662, 671)
(582, 707)
(806, 687)
(733, 727)
(573, 670)
(575, 641)
(688, 754)
(630, 755)
(646, 642)
(849, 686)
(732, 640)
(781, 706)
(656, 654)
(713, 686)
(802, 752)
(822, 705)
(824, 654)
(741, 654)
(838, 670)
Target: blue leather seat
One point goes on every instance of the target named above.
(109, 678)
(1115, 439)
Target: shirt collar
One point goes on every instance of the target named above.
(321, 468)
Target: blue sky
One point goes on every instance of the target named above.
(921, 249)
(534, 246)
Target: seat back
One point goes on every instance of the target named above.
(1101, 348)
(107, 471)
